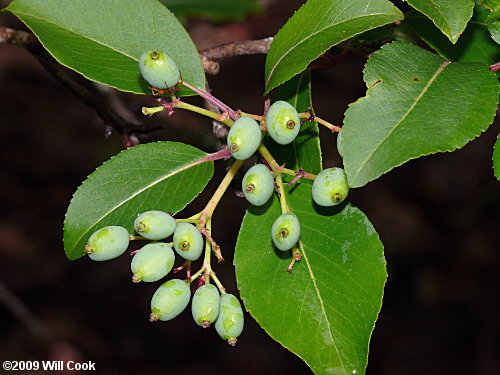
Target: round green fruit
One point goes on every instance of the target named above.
(152, 262)
(159, 69)
(258, 185)
(330, 187)
(244, 138)
(107, 243)
(169, 300)
(205, 305)
(286, 231)
(283, 122)
(155, 225)
(188, 241)
(229, 324)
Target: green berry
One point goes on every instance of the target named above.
(330, 187)
(107, 243)
(159, 69)
(169, 300)
(229, 324)
(339, 143)
(286, 231)
(283, 122)
(188, 241)
(244, 138)
(155, 225)
(258, 185)
(205, 305)
(152, 262)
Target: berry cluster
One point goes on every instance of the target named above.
(191, 236)
(155, 260)
(282, 123)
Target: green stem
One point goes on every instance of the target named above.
(212, 204)
(309, 116)
(176, 103)
(282, 196)
(222, 290)
(277, 169)
(204, 112)
(147, 111)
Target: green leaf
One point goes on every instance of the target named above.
(103, 39)
(326, 309)
(304, 151)
(496, 158)
(493, 21)
(162, 176)
(490, 4)
(450, 16)
(317, 26)
(475, 44)
(416, 104)
(216, 10)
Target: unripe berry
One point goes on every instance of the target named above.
(159, 69)
(258, 185)
(188, 241)
(169, 300)
(107, 243)
(244, 138)
(286, 231)
(283, 122)
(152, 262)
(330, 187)
(339, 143)
(205, 305)
(229, 324)
(155, 225)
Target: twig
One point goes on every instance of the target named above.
(239, 48)
(78, 85)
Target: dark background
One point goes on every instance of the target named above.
(437, 216)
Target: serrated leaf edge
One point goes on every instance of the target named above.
(279, 83)
(317, 292)
(187, 166)
(368, 93)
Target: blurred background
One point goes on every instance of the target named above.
(437, 216)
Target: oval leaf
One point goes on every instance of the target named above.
(317, 26)
(416, 104)
(475, 44)
(103, 39)
(451, 16)
(162, 176)
(305, 150)
(325, 310)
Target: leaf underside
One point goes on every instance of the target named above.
(326, 309)
(163, 176)
(103, 39)
(317, 26)
(416, 104)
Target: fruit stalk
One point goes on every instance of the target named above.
(212, 204)
(212, 99)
